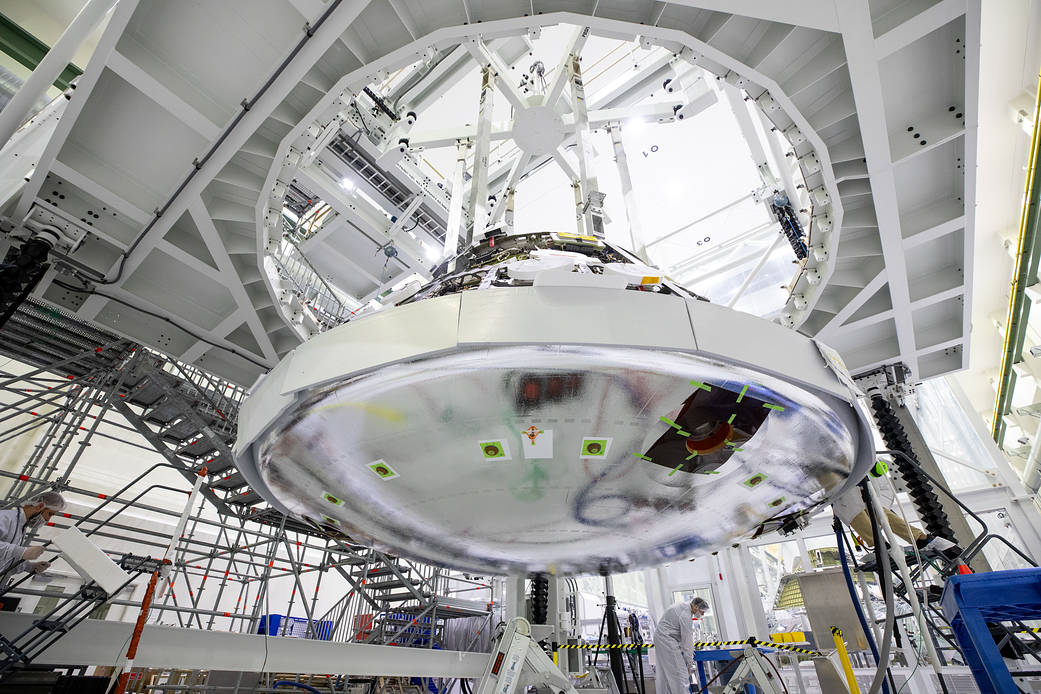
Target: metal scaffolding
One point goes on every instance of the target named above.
(87, 386)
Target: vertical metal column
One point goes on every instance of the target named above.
(262, 588)
(56, 439)
(504, 202)
(592, 198)
(115, 383)
(454, 230)
(636, 244)
(77, 416)
(478, 203)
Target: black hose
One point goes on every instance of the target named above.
(885, 580)
(856, 602)
(926, 502)
(539, 598)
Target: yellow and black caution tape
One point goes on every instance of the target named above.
(699, 644)
(757, 642)
(1032, 630)
(630, 646)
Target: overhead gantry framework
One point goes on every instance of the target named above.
(170, 166)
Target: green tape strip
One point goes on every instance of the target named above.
(773, 407)
(732, 418)
(643, 457)
(703, 386)
(742, 395)
(675, 469)
(683, 433)
(668, 421)
(692, 456)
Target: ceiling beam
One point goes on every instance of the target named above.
(211, 237)
(852, 306)
(100, 192)
(247, 123)
(923, 23)
(859, 42)
(200, 347)
(160, 94)
(95, 68)
(815, 14)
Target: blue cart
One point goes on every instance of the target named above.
(970, 601)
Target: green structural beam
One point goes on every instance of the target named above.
(29, 51)
(1028, 263)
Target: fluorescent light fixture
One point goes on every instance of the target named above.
(347, 184)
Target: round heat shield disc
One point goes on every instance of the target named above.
(551, 457)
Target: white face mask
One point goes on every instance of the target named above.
(34, 522)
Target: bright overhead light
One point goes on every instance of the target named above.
(431, 252)
(347, 184)
(636, 125)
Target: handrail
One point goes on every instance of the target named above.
(982, 538)
(318, 275)
(324, 299)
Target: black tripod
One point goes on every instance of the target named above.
(614, 643)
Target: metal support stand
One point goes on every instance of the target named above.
(971, 601)
(614, 638)
(516, 652)
(755, 670)
(22, 649)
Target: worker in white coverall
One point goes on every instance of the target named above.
(16, 522)
(674, 647)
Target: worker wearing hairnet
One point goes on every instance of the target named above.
(16, 522)
(674, 647)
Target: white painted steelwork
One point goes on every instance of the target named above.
(868, 95)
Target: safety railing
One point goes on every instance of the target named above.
(223, 561)
(312, 290)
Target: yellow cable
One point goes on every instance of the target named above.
(847, 667)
